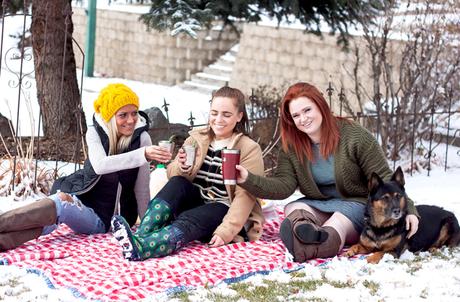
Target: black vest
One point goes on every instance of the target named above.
(99, 192)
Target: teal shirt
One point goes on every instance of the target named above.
(322, 170)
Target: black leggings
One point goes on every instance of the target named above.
(195, 218)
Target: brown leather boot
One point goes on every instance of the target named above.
(303, 226)
(14, 239)
(326, 249)
(34, 215)
(308, 228)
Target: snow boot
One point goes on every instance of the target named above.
(161, 243)
(158, 214)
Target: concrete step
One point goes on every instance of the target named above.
(213, 76)
(210, 79)
(233, 53)
(199, 87)
(227, 57)
(218, 72)
(225, 62)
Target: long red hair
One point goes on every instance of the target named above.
(291, 137)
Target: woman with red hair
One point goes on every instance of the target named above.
(330, 160)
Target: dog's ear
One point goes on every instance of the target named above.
(374, 182)
(398, 177)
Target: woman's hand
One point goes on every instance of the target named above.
(411, 225)
(216, 241)
(242, 175)
(157, 153)
(181, 158)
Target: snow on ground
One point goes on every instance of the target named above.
(429, 279)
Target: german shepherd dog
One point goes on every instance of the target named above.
(385, 222)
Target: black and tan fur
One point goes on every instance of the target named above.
(385, 222)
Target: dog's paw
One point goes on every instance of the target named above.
(349, 253)
(375, 257)
(353, 250)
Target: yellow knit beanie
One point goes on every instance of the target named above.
(112, 98)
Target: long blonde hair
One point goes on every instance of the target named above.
(117, 144)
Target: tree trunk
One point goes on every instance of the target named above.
(55, 70)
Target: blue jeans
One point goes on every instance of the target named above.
(80, 218)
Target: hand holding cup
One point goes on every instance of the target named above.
(157, 153)
(190, 154)
(181, 158)
(242, 174)
(168, 145)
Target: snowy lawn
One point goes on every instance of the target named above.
(422, 277)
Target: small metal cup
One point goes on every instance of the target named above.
(190, 152)
(167, 145)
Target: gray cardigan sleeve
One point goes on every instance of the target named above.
(141, 188)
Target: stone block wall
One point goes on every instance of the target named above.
(125, 49)
(282, 56)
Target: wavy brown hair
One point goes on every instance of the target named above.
(291, 137)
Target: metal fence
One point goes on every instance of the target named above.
(432, 145)
(18, 89)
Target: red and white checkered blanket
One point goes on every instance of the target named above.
(93, 267)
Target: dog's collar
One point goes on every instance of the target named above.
(396, 228)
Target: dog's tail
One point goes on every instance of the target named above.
(454, 231)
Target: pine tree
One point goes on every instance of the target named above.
(189, 16)
(186, 16)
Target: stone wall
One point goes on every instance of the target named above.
(282, 56)
(125, 49)
(267, 55)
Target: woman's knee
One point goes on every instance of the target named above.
(289, 208)
(178, 180)
(296, 205)
(176, 191)
(176, 185)
(344, 227)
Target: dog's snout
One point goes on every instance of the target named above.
(396, 212)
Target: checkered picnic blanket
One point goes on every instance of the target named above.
(93, 267)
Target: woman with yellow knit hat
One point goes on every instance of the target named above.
(114, 179)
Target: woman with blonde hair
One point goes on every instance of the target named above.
(114, 179)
